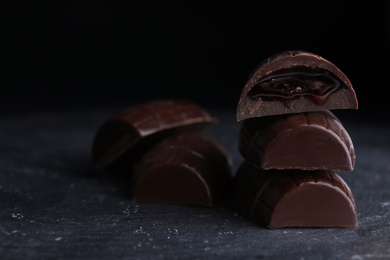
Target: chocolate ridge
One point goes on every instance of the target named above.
(295, 198)
(308, 141)
(130, 133)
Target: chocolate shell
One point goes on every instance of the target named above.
(189, 169)
(295, 198)
(128, 135)
(307, 141)
(295, 82)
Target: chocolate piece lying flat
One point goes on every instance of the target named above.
(294, 82)
(295, 198)
(124, 138)
(308, 141)
(188, 169)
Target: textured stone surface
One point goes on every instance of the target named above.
(51, 208)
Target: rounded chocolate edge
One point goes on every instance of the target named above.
(346, 194)
(290, 58)
(217, 186)
(297, 58)
(345, 145)
(117, 150)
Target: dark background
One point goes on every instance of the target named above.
(83, 60)
(79, 54)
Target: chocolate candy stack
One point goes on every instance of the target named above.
(159, 149)
(293, 144)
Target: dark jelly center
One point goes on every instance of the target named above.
(288, 84)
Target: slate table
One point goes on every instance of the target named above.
(50, 207)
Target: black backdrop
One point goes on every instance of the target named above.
(72, 54)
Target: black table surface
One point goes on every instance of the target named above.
(50, 206)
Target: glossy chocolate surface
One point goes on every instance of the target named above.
(295, 198)
(128, 135)
(188, 169)
(295, 82)
(308, 141)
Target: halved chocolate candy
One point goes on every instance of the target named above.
(294, 82)
(307, 141)
(128, 135)
(295, 198)
(188, 169)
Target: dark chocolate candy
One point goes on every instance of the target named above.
(294, 82)
(308, 141)
(127, 136)
(188, 169)
(295, 198)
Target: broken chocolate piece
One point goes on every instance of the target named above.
(294, 82)
(307, 141)
(295, 198)
(188, 169)
(128, 135)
